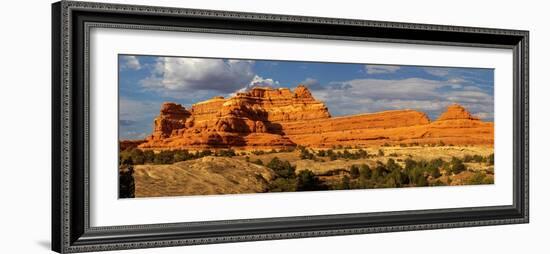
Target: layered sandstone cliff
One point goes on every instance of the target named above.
(275, 118)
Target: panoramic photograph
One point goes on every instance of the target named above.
(212, 126)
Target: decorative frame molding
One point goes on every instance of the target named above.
(71, 22)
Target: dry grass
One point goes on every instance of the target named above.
(204, 176)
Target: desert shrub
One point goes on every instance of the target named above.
(321, 153)
(126, 185)
(164, 157)
(182, 155)
(434, 166)
(478, 158)
(415, 174)
(362, 153)
(391, 165)
(345, 184)
(149, 156)
(288, 149)
(396, 178)
(226, 153)
(491, 159)
(354, 171)
(205, 153)
(436, 163)
(258, 162)
(131, 156)
(479, 178)
(137, 156)
(365, 171)
(334, 171)
(124, 159)
(457, 165)
(421, 181)
(258, 152)
(380, 152)
(409, 164)
(434, 172)
(346, 154)
(307, 181)
(305, 154)
(282, 168)
(283, 185)
(379, 171)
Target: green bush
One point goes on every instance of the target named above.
(226, 153)
(182, 155)
(283, 185)
(321, 153)
(345, 184)
(305, 154)
(204, 153)
(307, 181)
(491, 159)
(164, 157)
(379, 171)
(479, 178)
(365, 171)
(354, 171)
(457, 166)
(282, 168)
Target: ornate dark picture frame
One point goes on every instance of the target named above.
(71, 22)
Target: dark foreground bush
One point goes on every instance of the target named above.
(308, 181)
(126, 185)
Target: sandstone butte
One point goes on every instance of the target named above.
(265, 118)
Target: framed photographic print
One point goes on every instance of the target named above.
(181, 126)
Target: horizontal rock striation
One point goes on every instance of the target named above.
(265, 118)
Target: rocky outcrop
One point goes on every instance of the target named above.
(275, 118)
(172, 117)
(456, 112)
(250, 119)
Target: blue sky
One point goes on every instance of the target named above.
(145, 82)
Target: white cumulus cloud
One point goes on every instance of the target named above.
(181, 76)
(372, 95)
(131, 62)
(381, 69)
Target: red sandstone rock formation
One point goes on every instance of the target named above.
(455, 112)
(275, 118)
